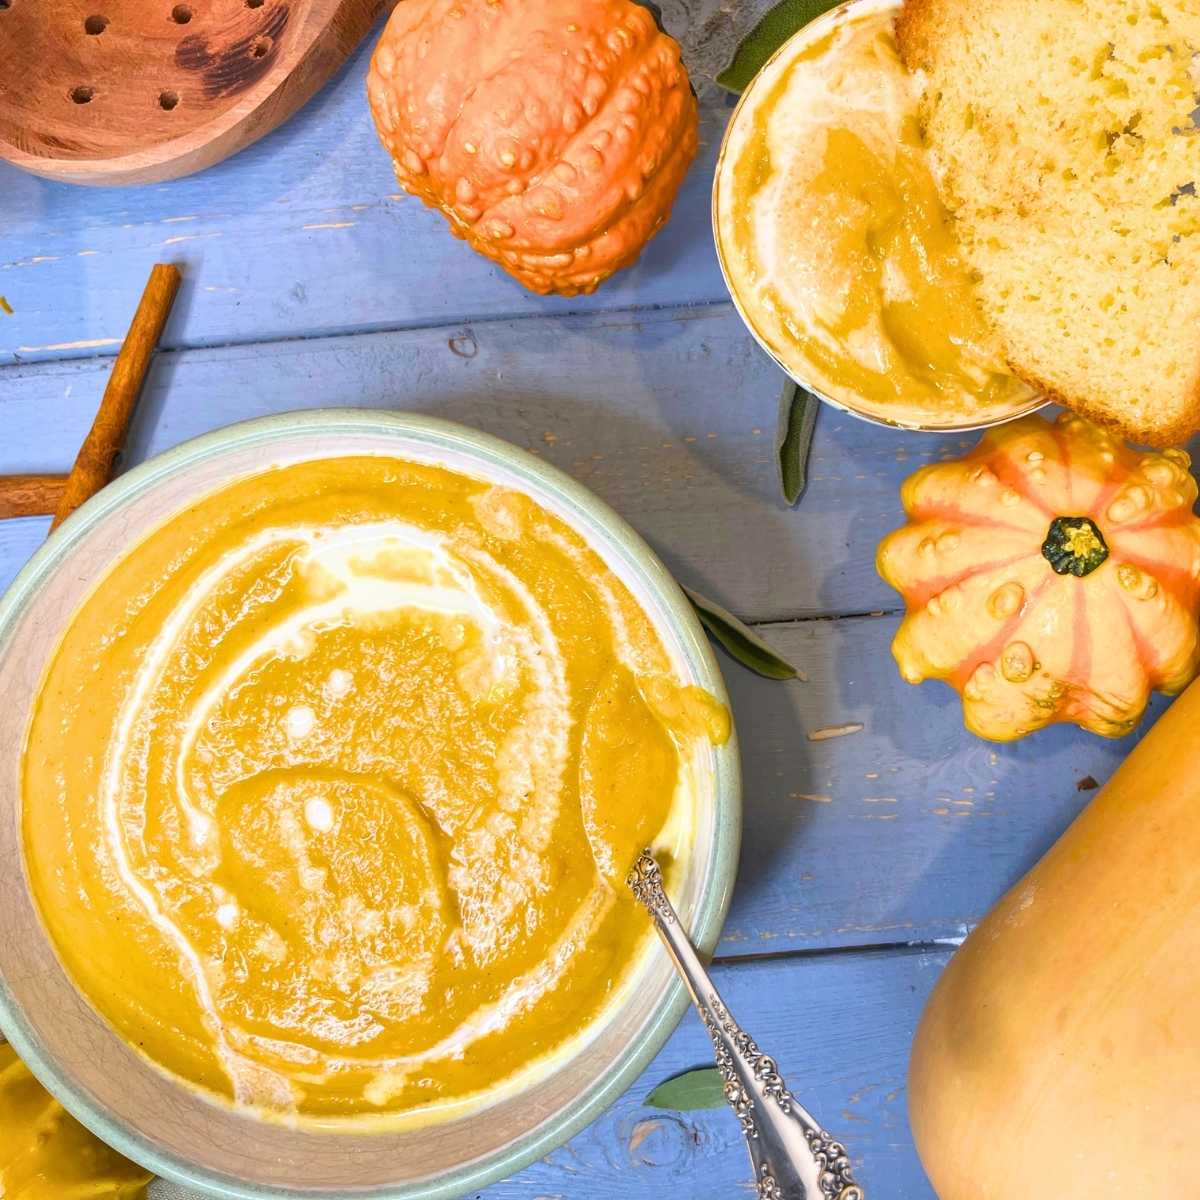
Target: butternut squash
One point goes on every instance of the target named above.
(1060, 1052)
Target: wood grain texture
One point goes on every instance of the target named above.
(840, 1026)
(904, 830)
(871, 815)
(669, 415)
(305, 233)
(138, 91)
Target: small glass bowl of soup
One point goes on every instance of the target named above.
(835, 246)
(314, 786)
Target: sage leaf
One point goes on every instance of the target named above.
(739, 640)
(690, 1091)
(777, 25)
(798, 410)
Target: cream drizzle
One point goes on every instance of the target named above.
(344, 554)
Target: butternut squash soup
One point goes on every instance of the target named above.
(332, 785)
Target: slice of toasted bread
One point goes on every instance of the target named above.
(1066, 140)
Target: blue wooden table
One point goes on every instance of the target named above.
(869, 854)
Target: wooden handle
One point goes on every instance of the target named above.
(94, 463)
(30, 495)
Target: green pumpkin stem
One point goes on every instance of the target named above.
(1075, 546)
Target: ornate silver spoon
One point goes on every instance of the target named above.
(793, 1157)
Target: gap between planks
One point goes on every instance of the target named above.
(695, 310)
(808, 618)
(868, 949)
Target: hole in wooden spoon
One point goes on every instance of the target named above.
(168, 100)
(254, 3)
(4, 4)
(95, 25)
(181, 14)
(82, 94)
(261, 47)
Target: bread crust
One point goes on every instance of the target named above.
(912, 24)
(918, 26)
(1160, 437)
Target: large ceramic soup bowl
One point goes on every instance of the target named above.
(222, 1149)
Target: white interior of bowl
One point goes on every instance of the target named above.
(165, 1125)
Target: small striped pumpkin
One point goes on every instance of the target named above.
(1052, 574)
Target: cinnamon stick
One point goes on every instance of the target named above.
(94, 464)
(30, 495)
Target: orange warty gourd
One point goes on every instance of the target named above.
(1053, 574)
(552, 134)
(1059, 1054)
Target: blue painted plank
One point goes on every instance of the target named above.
(18, 540)
(840, 1027)
(903, 828)
(907, 830)
(302, 234)
(669, 415)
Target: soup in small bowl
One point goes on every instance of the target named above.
(835, 245)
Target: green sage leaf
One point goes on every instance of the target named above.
(798, 410)
(740, 641)
(690, 1091)
(766, 37)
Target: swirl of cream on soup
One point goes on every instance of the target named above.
(360, 749)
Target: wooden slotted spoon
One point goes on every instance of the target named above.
(137, 91)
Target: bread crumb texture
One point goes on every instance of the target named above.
(1065, 135)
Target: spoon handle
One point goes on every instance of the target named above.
(793, 1157)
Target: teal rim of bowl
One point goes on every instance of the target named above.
(605, 531)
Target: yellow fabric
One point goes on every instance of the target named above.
(45, 1154)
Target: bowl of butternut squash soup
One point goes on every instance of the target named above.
(328, 742)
